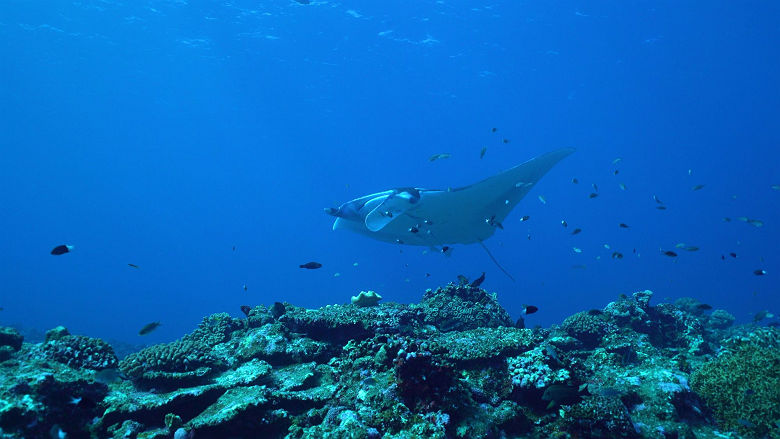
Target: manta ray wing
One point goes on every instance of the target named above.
(437, 217)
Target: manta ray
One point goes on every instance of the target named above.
(442, 217)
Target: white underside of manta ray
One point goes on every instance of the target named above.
(433, 218)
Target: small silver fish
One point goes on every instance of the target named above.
(482, 153)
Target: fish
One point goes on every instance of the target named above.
(704, 306)
(680, 245)
(622, 186)
(575, 181)
(148, 328)
(776, 187)
(61, 249)
(697, 187)
(478, 281)
(759, 272)
(752, 221)
(304, 2)
(577, 250)
(617, 171)
(657, 200)
(442, 156)
(579, 266)
(564, 223)
(576, 231)
(661, 207)
(623, 225)
(234, 248)
(727, 219)
(617, 160)
(745, 423)
(541, 198)
(462, 280)
(493, 130)
(691, 248)
(733, 255)
(529, 309)
(246, 309)
(525, 218)
(108, 376)
(606, 246)
(456, 216)
(446, 250)
(617, 255)
(133, 266)
(505, 140)
(670, 253)
(311, 265)
(559, 394)
(593, 195)
(245, 287)
(595, 187)
(482, 152)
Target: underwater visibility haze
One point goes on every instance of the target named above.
(162, 161)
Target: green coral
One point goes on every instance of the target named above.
(462, 307)
(188, 360)
(79, 351)
(742, 387)
(588, 328)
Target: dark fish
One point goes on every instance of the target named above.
(505, 140)
(703, 306)
(493, 130)
(759, 272)
(435, 157)
(574, 180)
(722, 258)
(478, 281)
(661, 207)
(616, 172)
(733, 255)
(447, 250)
(623, 225)
(483, 151)
(525, 218)
(576, 231)
(245, 287)
(761, 315)
(593, 195)
(234, 248)
(561, 394)
(149, 327)
(727, 219)
(564, 223)
(520, 323)
(670, 253)
(427, 274)
(414, 229)
(61, 249)
(245, 309)
(745, 423)
(617, 255)
(492, 221)
(108, 376)
(529, 309)
(311, 265)
(595, 312)
(697, 187)
(133, 266)
(462, 280)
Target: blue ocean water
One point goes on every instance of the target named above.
(166, 133)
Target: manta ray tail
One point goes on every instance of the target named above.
(495, 261)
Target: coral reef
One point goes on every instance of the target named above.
(451, 366)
